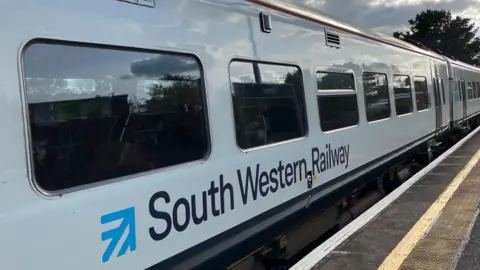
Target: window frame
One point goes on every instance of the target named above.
(381, 72)
(336, 92)
(27, 123)
(253, 61)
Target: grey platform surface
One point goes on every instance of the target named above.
(369, 246)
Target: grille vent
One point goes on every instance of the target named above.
(332, 39)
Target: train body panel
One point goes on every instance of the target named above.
(465, 82)
(224, 193)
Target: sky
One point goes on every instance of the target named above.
(388, 16)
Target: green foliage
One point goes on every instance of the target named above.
(439, 31)
(182, 91)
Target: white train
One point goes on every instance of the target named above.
(144, 134)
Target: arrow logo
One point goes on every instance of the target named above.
(128, 221)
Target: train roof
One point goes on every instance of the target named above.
(463, 64)
(316, 15)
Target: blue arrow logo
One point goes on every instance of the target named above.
(128, 221)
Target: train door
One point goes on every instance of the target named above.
(445, 93)
(437, 95)
(458, 108)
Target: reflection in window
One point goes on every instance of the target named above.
(460, 90)
(470, 90)
(436, 93)
(474, 86)
(335, 81)
(403, 94)
(337, 100)
(421, 93)
(98, 114)
(268, 102)
(443, 90)
(377, 99)
(478, 89)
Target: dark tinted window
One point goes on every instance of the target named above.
(337, 100)
(421, 93)
(329, 81)
(460, 90)
(403, 94)
(98, 113)
(438, 92)
(474, 87)
(443, 90)
(269, 103)
(470, 90)
(377, 99)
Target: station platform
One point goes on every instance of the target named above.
(429, 222)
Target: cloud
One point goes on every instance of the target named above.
(60, 61)
(387, 16)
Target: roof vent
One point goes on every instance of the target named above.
(332, 39)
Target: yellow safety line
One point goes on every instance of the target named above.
(398, 255)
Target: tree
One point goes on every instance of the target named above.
(438, 31)
(181, 92)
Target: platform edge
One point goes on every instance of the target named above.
(326, 247)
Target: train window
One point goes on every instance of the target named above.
(456, 93)
(461, 86)
(443, 91)
(421, 93)
(436, 93)
(377, 99)
(470, 90)
(460, 93)
(403, 94)
(474, 89)
(337, 100)
(103, 113)
(475, 85)
(478, 89)
(269, 103)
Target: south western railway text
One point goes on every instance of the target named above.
(253, 182)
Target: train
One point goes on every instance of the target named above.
(206, 134)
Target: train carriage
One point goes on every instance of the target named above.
(180, 134)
